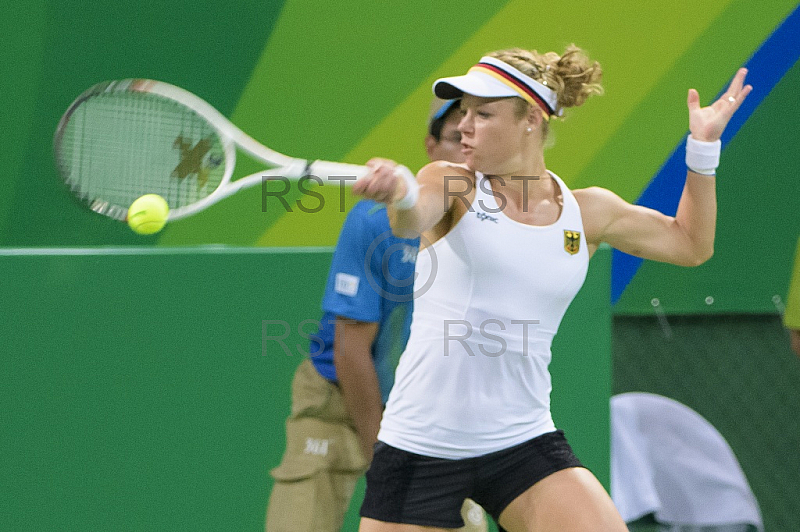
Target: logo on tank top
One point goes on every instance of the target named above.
(482, 216)
(572, 241)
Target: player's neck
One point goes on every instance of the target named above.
(529, 178)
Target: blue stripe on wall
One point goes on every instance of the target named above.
(774, 58)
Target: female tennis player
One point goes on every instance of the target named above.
(510, 246)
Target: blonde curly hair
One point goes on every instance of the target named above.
(572, 75)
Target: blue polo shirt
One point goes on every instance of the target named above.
(371, 279)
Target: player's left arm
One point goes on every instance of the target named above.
(686, 239)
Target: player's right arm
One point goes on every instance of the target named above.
(440, 184)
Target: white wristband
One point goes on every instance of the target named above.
(412, 189)
(702, 157)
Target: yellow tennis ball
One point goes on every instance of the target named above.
(148, 214)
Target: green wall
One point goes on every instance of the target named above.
(138, 392)
(308, 79)
(135, 395)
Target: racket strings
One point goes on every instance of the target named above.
(117, 146)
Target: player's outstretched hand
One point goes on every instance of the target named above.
(708, 123)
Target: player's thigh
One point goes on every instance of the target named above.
(570, 500)
(315, 502)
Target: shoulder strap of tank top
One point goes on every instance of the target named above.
(566, 193)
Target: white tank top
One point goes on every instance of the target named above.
(489, 297)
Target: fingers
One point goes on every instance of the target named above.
(740, 96)
(381, 183)
(378, 161)
(693, 100)
(738, 81)
(732, 98)
(737, 91)
(708, 123)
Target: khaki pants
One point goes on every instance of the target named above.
(322, 462)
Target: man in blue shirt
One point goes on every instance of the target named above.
(339, 393)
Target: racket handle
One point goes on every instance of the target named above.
(336, 173)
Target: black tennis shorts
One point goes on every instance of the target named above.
(409, 488)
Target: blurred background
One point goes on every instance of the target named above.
(347, 81)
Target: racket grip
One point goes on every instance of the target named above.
(337, 173)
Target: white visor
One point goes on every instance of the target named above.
(474, 83)
(493, 78)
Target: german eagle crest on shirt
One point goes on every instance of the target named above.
(572, 241)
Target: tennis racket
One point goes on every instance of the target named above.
(122, 139)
